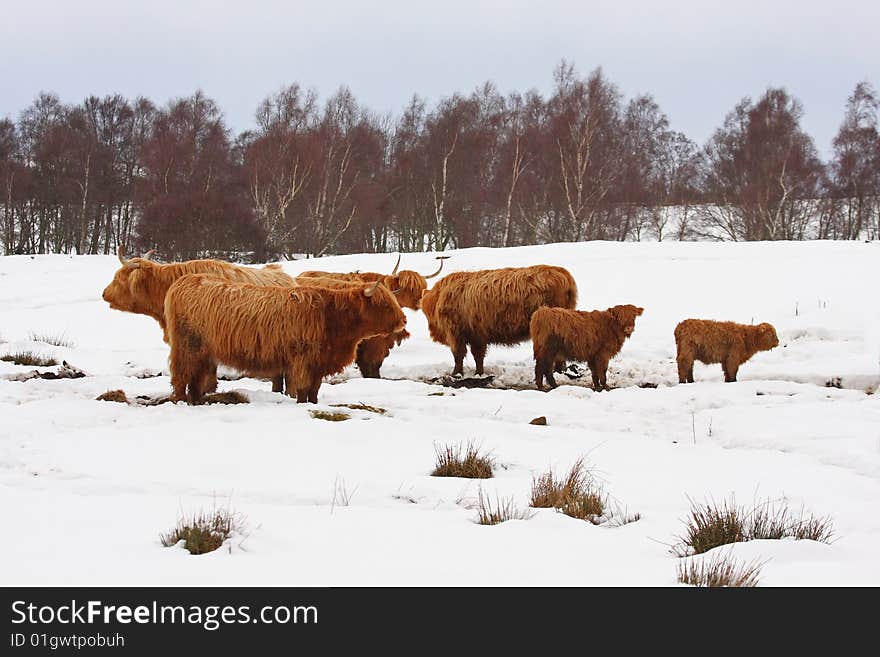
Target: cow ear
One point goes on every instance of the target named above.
(639, 310)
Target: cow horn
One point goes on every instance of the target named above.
(369, 291)
(148, 254)
(441, 259)
(394, 271)
(128, 264)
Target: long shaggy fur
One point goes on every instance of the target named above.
(492, 306)
(595, 337)
(728, 343)
(141, 288)
(372, 352)
(407, 285)
(306, 332)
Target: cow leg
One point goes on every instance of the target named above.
(731, 367)
(595, 369)
(602, 371)
(313, 389)
(685, 368)
(544, 370)
(478, 350)
(297, 383)
(539, 375)
(278, 382)
(209, 380)
(459, 349)
(200, 373)
(559, 365)
(179, 375)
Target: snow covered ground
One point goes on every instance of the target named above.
(87, 486)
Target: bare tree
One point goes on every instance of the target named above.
(761, 171)
(855, 168)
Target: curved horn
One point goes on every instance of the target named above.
(120, 252)
(441, 259)
(369, 291)
(394, 272)
(148, 254)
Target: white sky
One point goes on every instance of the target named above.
(697, 58)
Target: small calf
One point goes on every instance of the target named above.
(728, 343)
(595, 337)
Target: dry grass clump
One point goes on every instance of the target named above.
(718, 571)
(113, 396)
(230, 397)
(203, 532)
(501, 511)
(713, 524)
(29, 358)
(330, 416)
(577, 495)
(462, 461)
(361, 407)
(54, 340)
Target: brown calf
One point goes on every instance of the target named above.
(595, 337)
(728, 343)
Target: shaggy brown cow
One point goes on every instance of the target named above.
(492, 306)
(372, 352)
(408, 285)
(140, 285)
(728, 343)
(308, 332)
(595, 337)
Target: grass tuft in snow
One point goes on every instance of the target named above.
(54, 340)
(719, 571)
(113, 396)
(330, 416)
(204, 532)
(577, 495)
(361, 407)
(29, 358)
(501, 511)
(618, 517)
(462, 461)
(231, 397)
(341, 495)
(712, 524)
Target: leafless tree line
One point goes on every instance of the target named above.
(481, 169)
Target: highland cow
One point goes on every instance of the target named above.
(371, 352)
(408, 285)
(492, 306)
(595, 337)
(728, 343)
(306, 332)
(140, 285)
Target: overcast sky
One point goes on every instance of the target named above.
(697, 58)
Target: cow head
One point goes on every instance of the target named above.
(382, 310)
(625, 316)
(128, 291)
(767, 338)
(409, 285)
